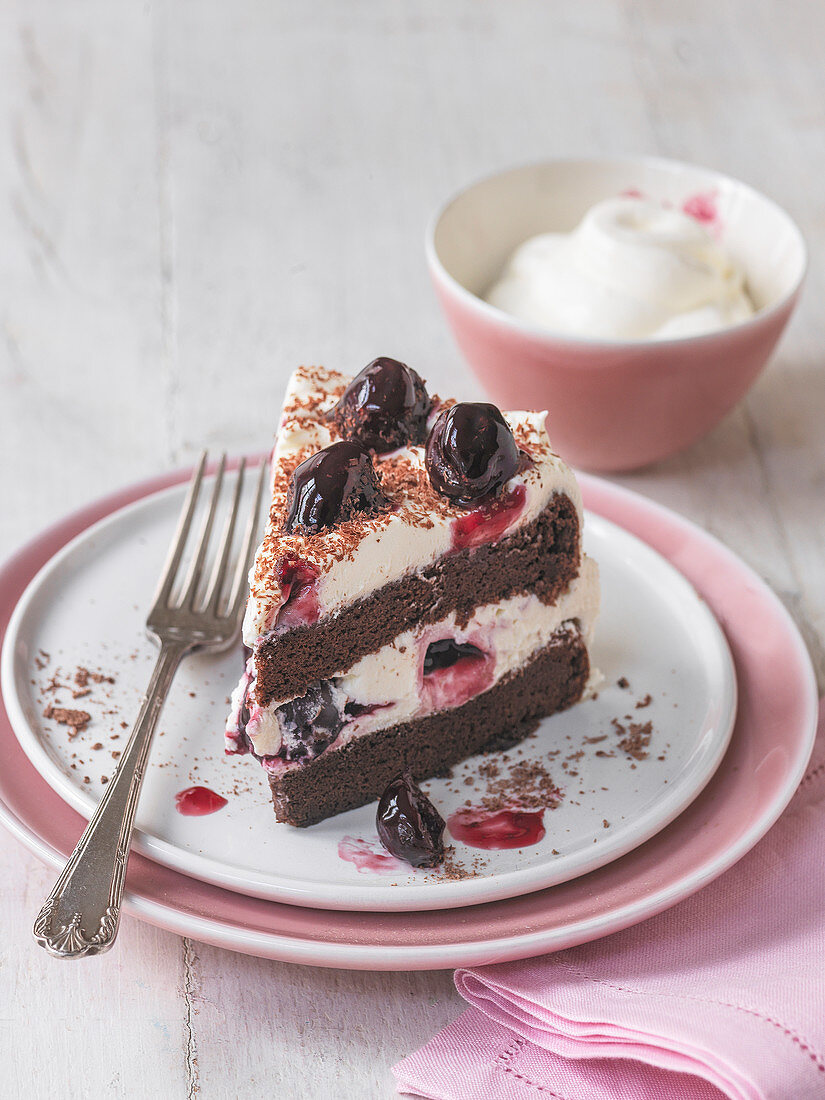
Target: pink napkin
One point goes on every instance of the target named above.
(721, 996)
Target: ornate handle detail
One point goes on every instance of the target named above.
(82, 913)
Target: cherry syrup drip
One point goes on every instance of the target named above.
(294, 572)
(702, 208)
(198, 801)
(366, 860)
(488, 522)
(297, 579)
(490, 829)
(454, 672)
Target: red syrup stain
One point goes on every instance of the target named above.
(497, 828)
(366, 859)
(297, 579)
(450, 687)
(702, 208)
(490, 521)
(198, 801)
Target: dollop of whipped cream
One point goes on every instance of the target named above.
(631, 270)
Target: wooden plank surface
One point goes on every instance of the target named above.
(194, 197)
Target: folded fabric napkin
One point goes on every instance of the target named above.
(721, 996)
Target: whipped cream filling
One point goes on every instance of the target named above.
(390, 686)
(631, 270)
(400, 542)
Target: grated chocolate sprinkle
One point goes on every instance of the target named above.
(635, 738)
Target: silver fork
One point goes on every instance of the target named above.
(82, 913)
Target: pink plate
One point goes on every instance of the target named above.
(771, 744)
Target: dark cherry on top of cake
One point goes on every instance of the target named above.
(384, 407)
(331, 486)
(471, 453)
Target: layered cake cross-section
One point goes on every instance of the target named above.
(420, 593)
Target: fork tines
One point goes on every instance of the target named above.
(216, 599)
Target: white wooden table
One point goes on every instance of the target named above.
(196, 196)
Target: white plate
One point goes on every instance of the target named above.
(87, 608)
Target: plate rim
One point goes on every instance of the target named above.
(367, 896)
(166, 904)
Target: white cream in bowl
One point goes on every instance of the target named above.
(632, 269)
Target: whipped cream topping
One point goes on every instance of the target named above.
(392, 679)
(631, 270)
(359, 556)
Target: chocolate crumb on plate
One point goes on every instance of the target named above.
(454, 871)
(76, 720)
(635, 738)
(527, 785)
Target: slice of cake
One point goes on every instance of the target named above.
(420, 593)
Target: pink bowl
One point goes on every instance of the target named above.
(612, 405)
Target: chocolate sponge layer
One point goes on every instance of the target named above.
(541, 557)
(341, 779)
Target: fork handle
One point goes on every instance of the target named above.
(82, 913)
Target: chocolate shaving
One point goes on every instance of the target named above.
(452, 870)
(635, 738)
(527, 786)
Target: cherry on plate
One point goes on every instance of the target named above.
(409, 826)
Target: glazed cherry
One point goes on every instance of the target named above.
(332, 486)
(471, 453)
(409, 826)
(384, 407)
